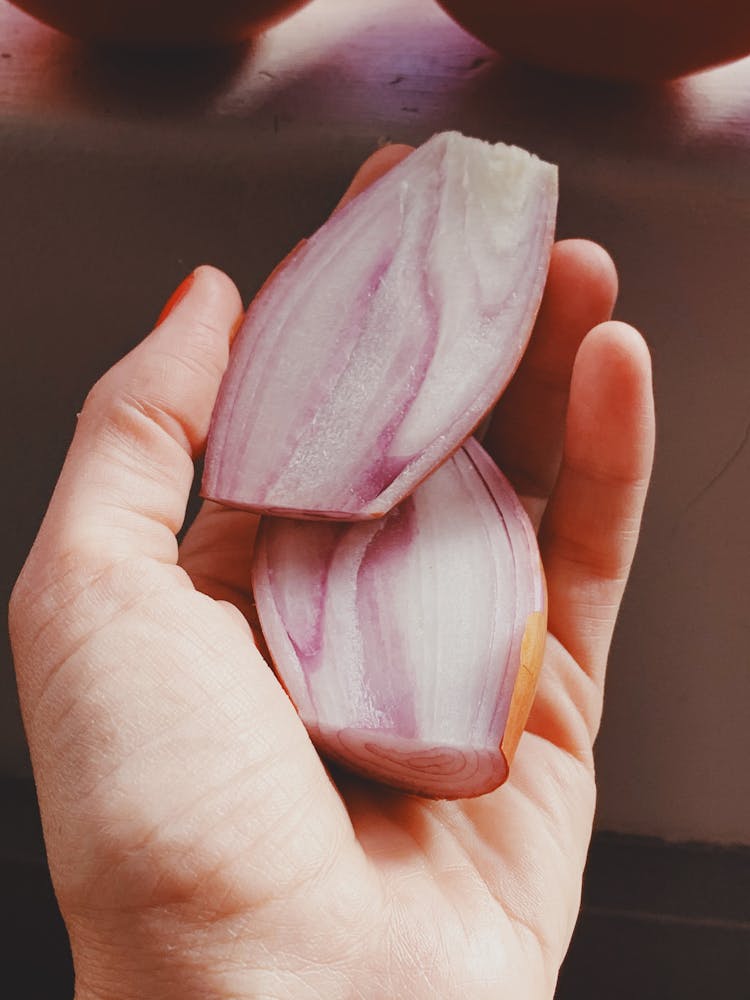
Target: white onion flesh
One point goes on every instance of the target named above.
(379, 346)
(401, 641)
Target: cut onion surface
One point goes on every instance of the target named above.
(410, 645)
(382, 341)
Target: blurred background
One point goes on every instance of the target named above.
(121, 169)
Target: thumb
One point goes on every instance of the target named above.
(125, 482)
(163, 747)
(123, 489)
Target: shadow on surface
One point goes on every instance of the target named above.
(149, 84)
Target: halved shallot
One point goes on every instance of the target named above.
(377, 348)
(410, 645)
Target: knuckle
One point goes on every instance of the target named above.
(18, 604)
(99, 394)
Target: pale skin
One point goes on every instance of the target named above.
(198, 845)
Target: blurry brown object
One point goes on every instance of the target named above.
(612, 39)
(161, 23)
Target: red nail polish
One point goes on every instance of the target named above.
(176, 297)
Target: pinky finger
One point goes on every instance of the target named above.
(591, 527)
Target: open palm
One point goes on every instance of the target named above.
(198, 846)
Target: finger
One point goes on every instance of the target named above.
(126, 479)
(591, 526)
(373, 169)
(217, 555)
(526, 431)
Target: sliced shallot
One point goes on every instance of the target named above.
(377, 348)
(410, 645)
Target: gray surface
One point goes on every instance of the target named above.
(118, 176)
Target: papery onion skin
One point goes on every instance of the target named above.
(410, 646)
(381, 343)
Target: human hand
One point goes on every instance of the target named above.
(198, 846)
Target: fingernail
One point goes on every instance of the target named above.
(176, 297)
